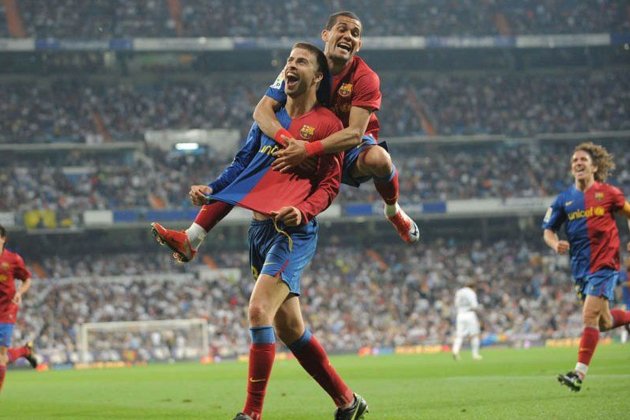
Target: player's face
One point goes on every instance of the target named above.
(582, 167)
(343, 40)
(300, 72)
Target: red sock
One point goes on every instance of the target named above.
(17, 352)
(211, 214)
(314, 360)
(3, 372)
(388, 187)
(590, 337)
(620, 317)
(260, 363)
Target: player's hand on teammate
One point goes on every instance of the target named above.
(291, 156)
(290, 216)
(562, 247)
(199, 194)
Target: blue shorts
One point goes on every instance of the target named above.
(600, 283)
(350, 159)
(6, 332)
(271, 252)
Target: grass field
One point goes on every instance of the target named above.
(506, 384)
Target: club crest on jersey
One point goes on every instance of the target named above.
(345, 90)
(5, 265)
(307, 132)
(599, 196)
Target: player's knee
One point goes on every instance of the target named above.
(259, 315)
(377, 161)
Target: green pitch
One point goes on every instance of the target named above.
(507, 384)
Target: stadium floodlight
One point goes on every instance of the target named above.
(141, 341)
(187, 146)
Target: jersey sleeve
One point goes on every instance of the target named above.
(618, 198)
(240, 162)
(367, 92)
(555, 216)
(276, 90)
(20, 271)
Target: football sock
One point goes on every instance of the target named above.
(261, 355)
(313, 358)
(620, 317)
(474, 345)
(581, 369)
(211, 214)
(388, 188)
(3, 372)
(15, 353)
(457, 344)
(196, 234)
(588, 343)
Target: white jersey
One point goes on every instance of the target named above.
(465, 300)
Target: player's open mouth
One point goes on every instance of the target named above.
(344, 46)
(291, 80)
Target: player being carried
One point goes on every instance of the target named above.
(283, 233)
(356, 96)
(587, 210)
(11, 267)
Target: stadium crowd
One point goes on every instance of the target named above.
(512, 104)
(74, 183)
(102, 19)
(398, 296)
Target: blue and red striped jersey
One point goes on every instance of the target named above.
(589, 219)
(250, 182)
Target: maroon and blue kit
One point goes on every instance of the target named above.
(357, 85)
(11, 267)
(251, 183)
(591, 230)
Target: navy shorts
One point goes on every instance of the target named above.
(272, 253)
(350, 159)
(6, 332)
(600, 283)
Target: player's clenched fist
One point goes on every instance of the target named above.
(562, 247)
(199, 194)
(290, 216)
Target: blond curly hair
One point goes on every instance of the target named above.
(601, 159)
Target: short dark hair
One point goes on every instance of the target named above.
(323, 90)
(332, 19)
(3, 232)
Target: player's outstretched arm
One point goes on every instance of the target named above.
(553, 242)
(351, 135)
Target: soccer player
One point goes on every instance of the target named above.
(11, 267)
(283, 233)
(587, 210)
(624, 281)
(356, 98)
(467, 324)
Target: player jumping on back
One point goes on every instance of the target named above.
(587, 209)
(356, 96)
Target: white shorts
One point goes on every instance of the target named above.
(467, 324)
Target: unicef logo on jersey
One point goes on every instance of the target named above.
(589, 212)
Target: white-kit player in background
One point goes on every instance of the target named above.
(467, 322)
